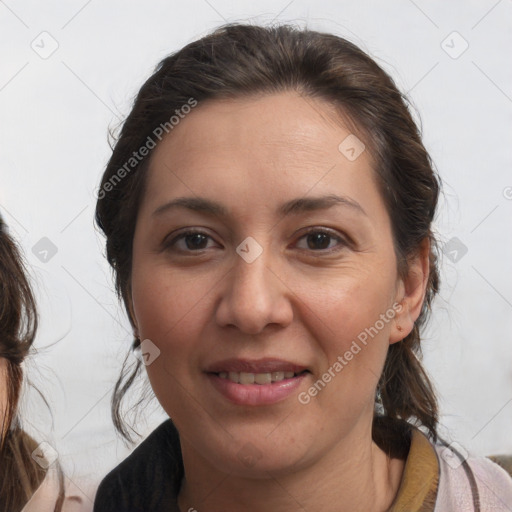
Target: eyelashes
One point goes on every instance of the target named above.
(320, 236)
(315, 240)
(193, 241)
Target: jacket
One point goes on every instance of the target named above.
(436, 478)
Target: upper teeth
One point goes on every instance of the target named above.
(256, 378)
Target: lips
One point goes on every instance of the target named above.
(256, 382)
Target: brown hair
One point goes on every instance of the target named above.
(241, 60)
(20, 475)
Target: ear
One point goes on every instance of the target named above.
(411, 292)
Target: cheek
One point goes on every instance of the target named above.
(345, 319)
(169, 310)
(164, 299)
(349, 303)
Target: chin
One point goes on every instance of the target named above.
(259, 457)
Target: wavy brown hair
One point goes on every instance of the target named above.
(20, 475)
(240, 60)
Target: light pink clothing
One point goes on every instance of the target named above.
(457, 494)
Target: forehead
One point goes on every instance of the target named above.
(259, 126)
(260, 146)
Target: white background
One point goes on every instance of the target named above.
(55, 113)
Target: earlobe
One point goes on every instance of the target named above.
(412, 290)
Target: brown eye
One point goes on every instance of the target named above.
(195, 241)
(190, 241)
(318, 241)
(321, 240)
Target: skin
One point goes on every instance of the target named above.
(297, 301)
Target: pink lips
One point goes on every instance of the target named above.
(255, 394)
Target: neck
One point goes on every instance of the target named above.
(356, 475)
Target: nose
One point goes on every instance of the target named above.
(254, 296)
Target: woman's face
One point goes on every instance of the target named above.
(289, 267)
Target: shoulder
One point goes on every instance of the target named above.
(47, 494)
(146, 480)
(468, 482)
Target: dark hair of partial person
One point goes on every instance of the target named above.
(20, 474)
(241, 60)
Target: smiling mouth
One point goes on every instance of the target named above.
(256, 382)
(258, 378)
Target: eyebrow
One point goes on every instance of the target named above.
(293, 207)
